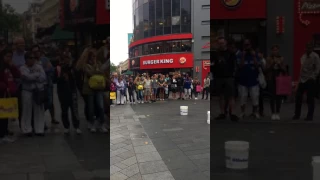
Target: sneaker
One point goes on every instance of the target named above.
(104, 129)
(196, 98)
(277, 117)
(273, 117)
(256, 115)
(55, 122)
(89, 126)
(78, 131)
(66, 131)
(234, 118)
(7, 140)
(134, 102)
(93, 130)
(221, 117)
(142, 102)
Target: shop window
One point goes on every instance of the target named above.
(140, 50)
(186, 16)
(159, 17)
(186, 46)
(141, 24)
(167, 47)
(176, 24)
(175, 7)
(167, 16)
(145, 49)
(176, 46)
(152, 18)
(146, 20)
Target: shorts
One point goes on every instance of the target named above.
(147, 91)
(225, 87)
(180, 89)
(254, 94)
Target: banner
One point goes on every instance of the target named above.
(103, 12)
(130, 36)
(205, 69)
(164, 61)
(9, 108)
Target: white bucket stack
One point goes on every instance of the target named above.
(316, 167)
(208, 117)
(237, 154)
(183, 110)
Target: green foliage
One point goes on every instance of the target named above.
(113, 67)
(9, 19)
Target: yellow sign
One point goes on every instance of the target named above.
(9, 108)
(113, 95)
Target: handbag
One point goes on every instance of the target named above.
(261, 79)
(9, 108)
(283, 85)
(198, 88)
(97, 82)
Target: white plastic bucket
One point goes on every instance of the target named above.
(316, 167)
(183, 110)
(208, 117)
(237, 154)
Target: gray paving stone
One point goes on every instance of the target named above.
(118, 151)
(118, 176)
(115, 159)
(128, 147)
(141, 142)
(126, 154)
(116, 141)
(13, 177)
(173, 129)
(36, 176)
(82, 175)
(144, 149)
(117, 146)
(114, 169)
(130, 161)
(152, 167)
(135, 177)
(158, 176)
(151, 156)
(116, 137)
(121, 165)
(200, 156)
(131, 170)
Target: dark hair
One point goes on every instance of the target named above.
(2, 54)
(27, 55)
(35, 46)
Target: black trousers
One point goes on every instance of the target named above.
(207, 92)
(131, 96)
(308, 87)
(69, 101)
(3, 127)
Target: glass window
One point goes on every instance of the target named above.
(136, 28)
(141, 25)
(167, 16)
(146, 20)
(151, 48)
(159, 17)
(145, 49)
(140, 50)
(152, 18)
(185, 16)
(176, 46)
(186, 45)
(176, 7)
(167, 46)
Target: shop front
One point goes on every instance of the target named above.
(166, 63)
(306, 29)
(239, 20)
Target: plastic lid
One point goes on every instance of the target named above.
(316, 159)
(237, 145)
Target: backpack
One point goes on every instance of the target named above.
(97, 82)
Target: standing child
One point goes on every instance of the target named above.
(131, 90)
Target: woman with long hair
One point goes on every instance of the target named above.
(8, 88)
(94, 97)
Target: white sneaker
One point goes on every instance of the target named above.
(142, 102)
(66, 131)
(273, 117)
(196, 98)
(277, 117)
(89, 126)
(93, 130)
(257, 115)
(78, 131)
(134, 102)
(7, 140)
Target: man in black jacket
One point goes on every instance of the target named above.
(224, 70)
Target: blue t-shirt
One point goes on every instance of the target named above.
(248, 74)
(187, 83)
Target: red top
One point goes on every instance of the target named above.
(7, 82)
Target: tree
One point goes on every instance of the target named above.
(113, 67)
(9, 19)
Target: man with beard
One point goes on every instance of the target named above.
(224, 70)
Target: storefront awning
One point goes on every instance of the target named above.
(60, 34)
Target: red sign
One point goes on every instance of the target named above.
(237, 9)
(184, 60)
(280, 24)
(103, 12)
(307, 7)
(205, 69)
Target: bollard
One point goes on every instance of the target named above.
(316, 167)
(237, 154)
(183, 110)
(208, 117)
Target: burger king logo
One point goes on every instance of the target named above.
(231, 3)
(182, 60)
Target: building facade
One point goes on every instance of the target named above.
(288, 23)
(164, 33)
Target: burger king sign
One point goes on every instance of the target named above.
(231, 3)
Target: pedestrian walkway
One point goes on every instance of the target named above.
(132, 154)
(55, 156)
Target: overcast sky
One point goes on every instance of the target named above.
(120, 26)
(19, 5)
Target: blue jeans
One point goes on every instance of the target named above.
(95, 100)
(140, 95)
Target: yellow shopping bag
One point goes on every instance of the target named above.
(9, 108)
(113, 95)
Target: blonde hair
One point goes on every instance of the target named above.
(83, 60)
